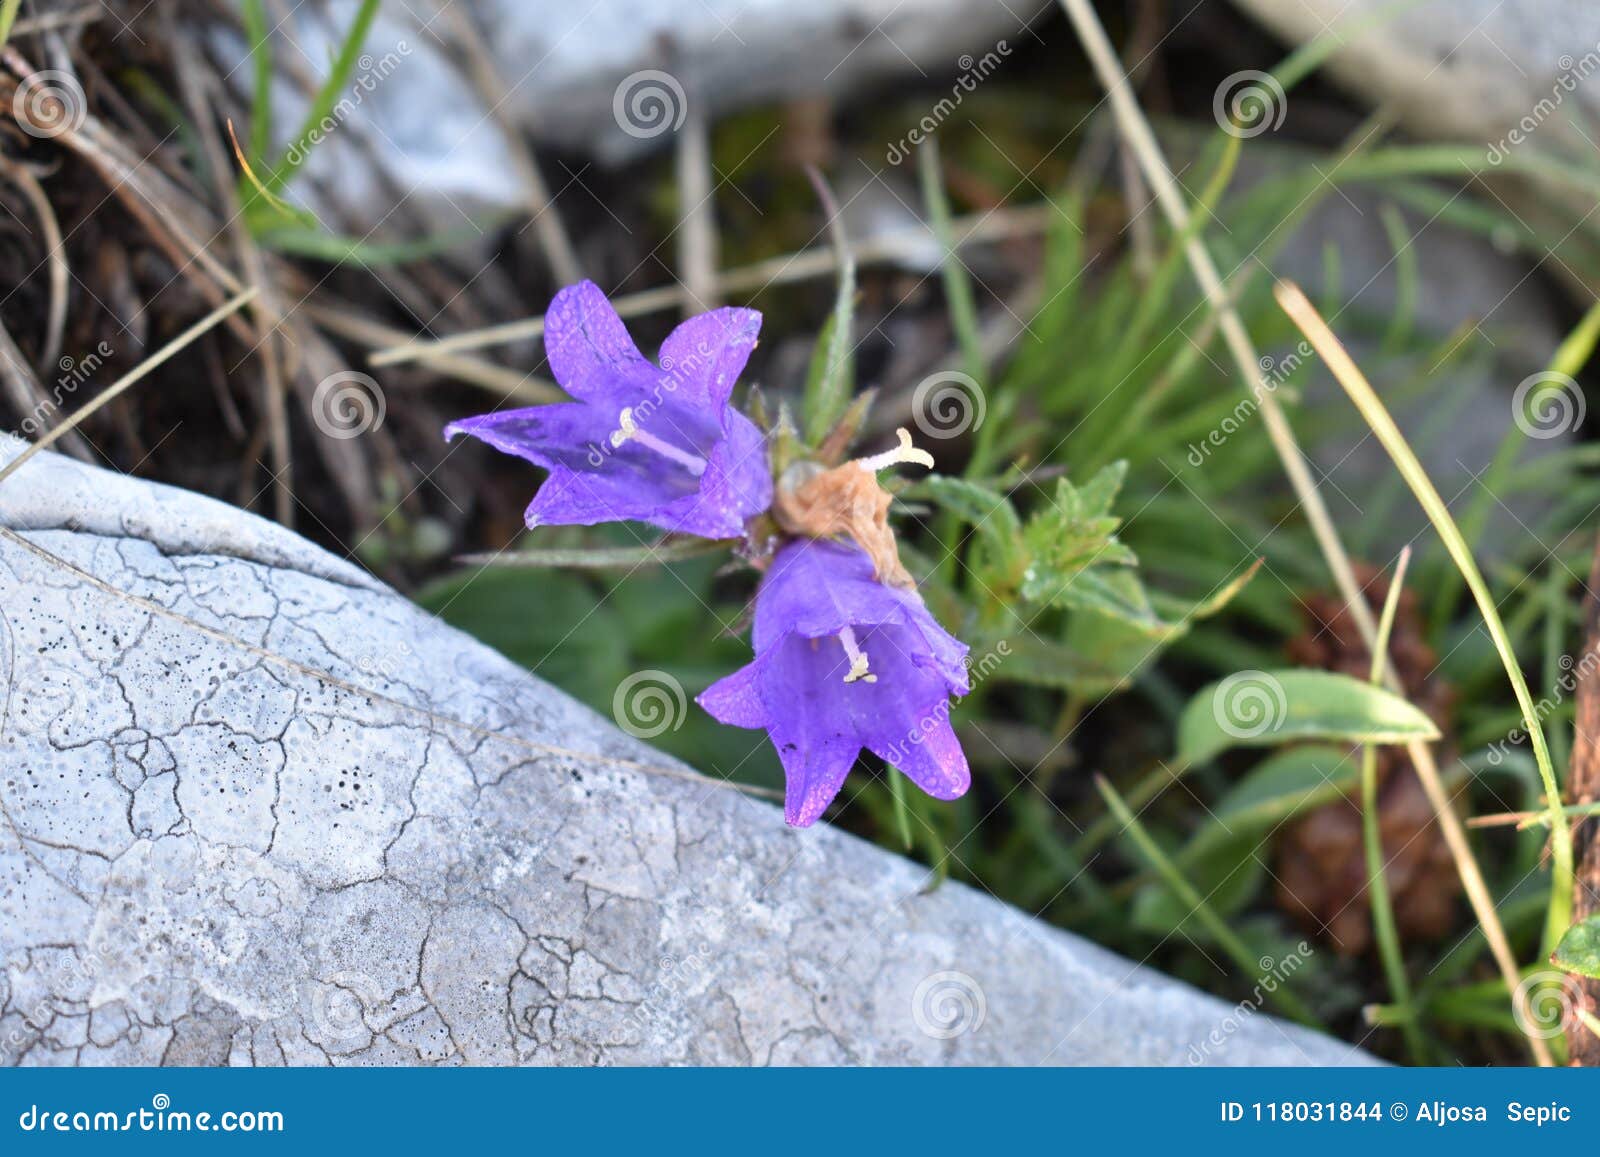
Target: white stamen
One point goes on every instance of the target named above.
(858, 657)
(629, 431)
(905, 452)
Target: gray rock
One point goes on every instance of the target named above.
(1475, 70)
(609, 78)
(259, 809)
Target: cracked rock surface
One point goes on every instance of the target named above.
(256, 808)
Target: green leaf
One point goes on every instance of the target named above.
(1074, 540)
(1261, 708)
(1126, 635)
(1281, 787)
(530, 618)
(991, 514)
(256, 31)
(1112, 593)
(1579, 949)
(1041, 663)
(321, 109)
(831, 378)
(309, 239)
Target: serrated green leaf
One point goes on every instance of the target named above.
(1073, 550)
(1579, 949)
(1112, 593)
(1262, 708)
(991, 515)
(1041, 663)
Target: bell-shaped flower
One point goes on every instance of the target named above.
(656, 443)
(844, 662)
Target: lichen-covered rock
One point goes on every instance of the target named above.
(1499, 72)
(256, 808)
(607, 77)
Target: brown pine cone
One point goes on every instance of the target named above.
(1321, 865)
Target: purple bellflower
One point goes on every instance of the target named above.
(843, 662)
(657, 444)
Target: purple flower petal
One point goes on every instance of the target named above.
(817, 603)
(590, 352)
(708, 352)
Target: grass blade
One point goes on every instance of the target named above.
(1384, 929)
(1244, 959)
(1295, 304)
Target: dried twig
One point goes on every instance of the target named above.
(130, 379)
(907, 243)
(26, 394)
(697, 222)
(54, 251)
